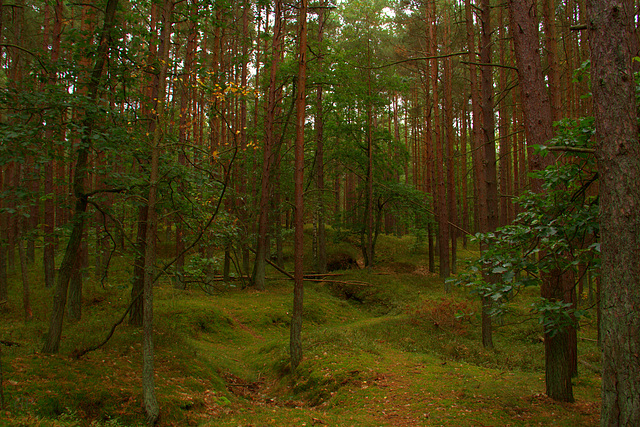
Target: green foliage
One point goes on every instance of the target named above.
(556, 231)
(557, 316)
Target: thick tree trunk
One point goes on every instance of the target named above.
(536, 106)
(618, 151)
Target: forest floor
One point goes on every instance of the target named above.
(381, 348)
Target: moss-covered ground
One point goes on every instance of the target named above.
(390, 350)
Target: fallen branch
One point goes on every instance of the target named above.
(340, 282)
(77, 354)
(290, 276)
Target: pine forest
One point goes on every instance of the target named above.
(319, 213)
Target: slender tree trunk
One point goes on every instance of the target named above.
(463, 176)
(368, 214)
(611, 28)
(478, 170)
(75, 282)
(148, 382)
(137, 304)
(452, 210)
(503, 126)
(4, 282)
(490, 223)
(186, 97)
(258, 276)
(442, 205)
(48, 252)
(298, 288)
(321, 254)
(26, 289)
(52, 342)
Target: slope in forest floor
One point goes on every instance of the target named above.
(394, 352)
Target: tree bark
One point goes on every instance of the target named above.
(137, 306)
(75, 283)
(440, 184)
(48, 252)
(295, 346)
(536, 106)
(186, 97)
(4, 282)
(452, 210)
(258, 276)
(618, 152)
(26, 289)
(152, 408)
(52, 342)
(478, 170)
(321, 251)
(489, 219)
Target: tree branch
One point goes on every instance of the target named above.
(402, 61)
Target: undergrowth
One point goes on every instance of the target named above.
(386, 347)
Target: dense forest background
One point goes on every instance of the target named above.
(202, 144)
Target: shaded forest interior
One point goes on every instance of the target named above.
(439, 177)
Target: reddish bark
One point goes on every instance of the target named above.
(611, 29)
(298, 287)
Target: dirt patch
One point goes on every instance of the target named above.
(341, 261)
(399, 267)
(246, 389)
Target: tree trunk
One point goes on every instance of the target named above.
(186, 96)
(26, 290)
(295, 346)
(258, 276)
(618, 152)
(442, 205)
(75, 283)
(52, 342)
(536, 107)
(148, 383)
(4, 282)
(478, 170)
(490, 222)
(452, 210)
(137, 303)
(48, 252)
(321, 240)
